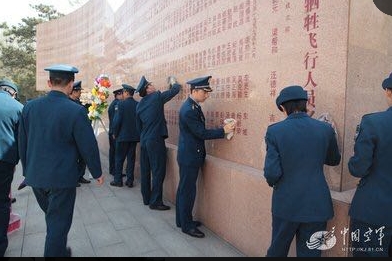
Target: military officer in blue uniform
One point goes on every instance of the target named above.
(127, 136)
(10, 112)
(113, 107)
(151, 123)
(297, 149)
(75, 97)
(53, 133)
(192, 152)
(371, 207)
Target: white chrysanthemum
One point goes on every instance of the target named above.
(97, 100)
(103, 89)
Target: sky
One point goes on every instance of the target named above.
(13, 12)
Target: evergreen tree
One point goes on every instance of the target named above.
(18, 50)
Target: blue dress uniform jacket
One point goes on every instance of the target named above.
(127, 136)
(113, 107)
(190, 157)
(10, 112)
(112, 110)
(9, 121)
(151, 123)
(81, 163)
(151, 120)
(297, 149)
(124, 123)
(62, 132)
(372, 202)
(193, 133)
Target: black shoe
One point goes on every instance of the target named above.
(22, 185)
(160, 207)
(194, 232)
(129, 184)
(84, 181)
(115, 184)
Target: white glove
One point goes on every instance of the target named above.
(232, 122)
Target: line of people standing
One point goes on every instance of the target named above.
(297, 149)
(123, 132)
(59, 131)
(151, 124)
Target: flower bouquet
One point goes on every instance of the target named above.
(99, 95)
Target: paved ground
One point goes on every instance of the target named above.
(111, 222)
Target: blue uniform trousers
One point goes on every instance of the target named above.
(125, 149)
(372, 240)
(185, 198)
(6, 176)
(112, 154)
(283, 233)
(152, 159)
(58, 206)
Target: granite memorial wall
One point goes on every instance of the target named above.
(252, 49)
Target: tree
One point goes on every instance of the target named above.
(18, 50)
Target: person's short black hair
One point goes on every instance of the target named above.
(295, 106)
(61, 81)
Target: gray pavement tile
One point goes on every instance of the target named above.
(134, 205)
(108, 222)
(176, 246)
(22, 198)
(139, 240)
(15, 245)
(83, 188)
(76, 213)
(111, 203)
(155, 253)
(127, 194)
(93, 216)
(101, 191)
(32, 206)
(78, 230)
(118, 250)
(155, 225)
(81, 248)
(123, 219)
(86, 200)
(169, 216)
(20, 210)
(35, 224)
(12, 253)
(213, 246)
(33, 245)
(141, 211)
(103, 235)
